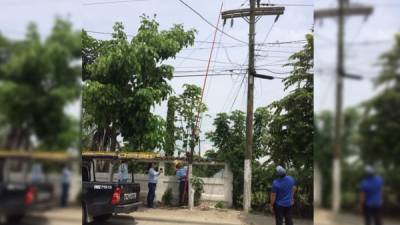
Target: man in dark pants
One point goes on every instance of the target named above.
(283, 189)
(66, 180)
(371, 196)
(152, 185)
(181, 175)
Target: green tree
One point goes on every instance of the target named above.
(189, 107)
(380, 127)
(39, 77)
(229, 138)
(170, 135)
(324, 148)
(124, 79)
(292, 127)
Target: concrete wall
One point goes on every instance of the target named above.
(317, 186)
(216, 189)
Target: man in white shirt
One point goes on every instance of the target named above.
(153, 178)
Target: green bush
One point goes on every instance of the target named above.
(219, 205)
(198, 186)
(167, 197)
(259, 200)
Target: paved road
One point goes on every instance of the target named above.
(166, 216)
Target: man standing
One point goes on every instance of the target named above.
(371, 196)
(181, 175)
(153, 178)
(66, 180)
(282, 196)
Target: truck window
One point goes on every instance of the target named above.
(85, 174)
(16, 170)
(36, 173)
(121, 173)
(103, 170)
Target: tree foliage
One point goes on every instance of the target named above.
(228, 138)
(170, 135)
(291, 129)
(38, 78)
(291, 147)
(124, 79)
(292, 125)
(380, 127)
(324, 140)
(189, 106)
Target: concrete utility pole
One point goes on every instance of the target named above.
(344, 9)
(249, 15)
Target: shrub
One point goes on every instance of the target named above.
(167, 197)
(198, 186)
(219, 205)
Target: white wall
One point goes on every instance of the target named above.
(216, 189)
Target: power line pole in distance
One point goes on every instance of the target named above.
(344, 9)
(250, 14)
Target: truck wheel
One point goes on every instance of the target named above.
(14, 219)
(84, 214)
(102, 218)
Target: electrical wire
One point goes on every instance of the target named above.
(209, 23)
(111, 2)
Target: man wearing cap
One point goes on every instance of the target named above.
(181, 175)
(371, 189)
(282, 196)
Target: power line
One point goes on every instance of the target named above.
(273, 44)
(302, 5)
(204, 60)
(203, 75)
(111, 2)
(209, 23)
(240, 87)
(226, 70)
(266, 36)
(193, 50)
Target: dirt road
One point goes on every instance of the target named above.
(68, 216)
(324, 217)
(166, 216)
(195, 217)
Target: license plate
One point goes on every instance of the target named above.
(129, 196)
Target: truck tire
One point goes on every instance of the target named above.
(84, 214)
(102, 218)
(14, 219)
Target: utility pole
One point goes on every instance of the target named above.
(344, 9)
(249, 14)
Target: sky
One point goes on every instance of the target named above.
(227, 93)
(363, 59)
(224, 93)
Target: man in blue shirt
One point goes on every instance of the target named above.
(153, 178)
(371, 188)
(181, 175)
(66, 180)
(282, 196)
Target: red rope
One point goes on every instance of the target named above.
(203, 88)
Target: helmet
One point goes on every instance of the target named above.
(280, 171)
